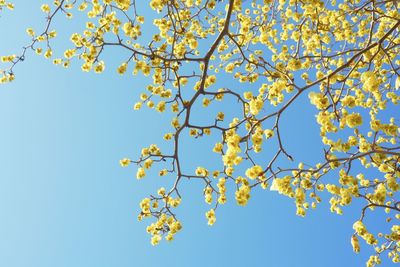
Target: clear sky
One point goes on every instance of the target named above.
(66, 202)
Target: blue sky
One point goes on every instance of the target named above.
(66, 202)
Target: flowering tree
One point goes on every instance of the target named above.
(343, 54)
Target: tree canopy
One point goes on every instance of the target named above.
(344, 55)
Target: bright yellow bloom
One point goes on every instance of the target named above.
(124, 162)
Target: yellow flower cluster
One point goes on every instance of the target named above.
(123, 4)
(283, 186)
(319, 100)
(222, 191)
(45, 8)
(361, 231)
(125, 162)
(6, 77)
(257, 139)
(353, 120)
(242, 195)
(210, 215)
(155, 229)
(8, 5)
(275, 91)
(379, 195)
(140, 173)
(254, 172)
(233, 149)
(208, 195)
(355, 244)
(256, 104)
(157, 4)
(151, 150)
(200, 171)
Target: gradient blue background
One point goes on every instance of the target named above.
(65, 201)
